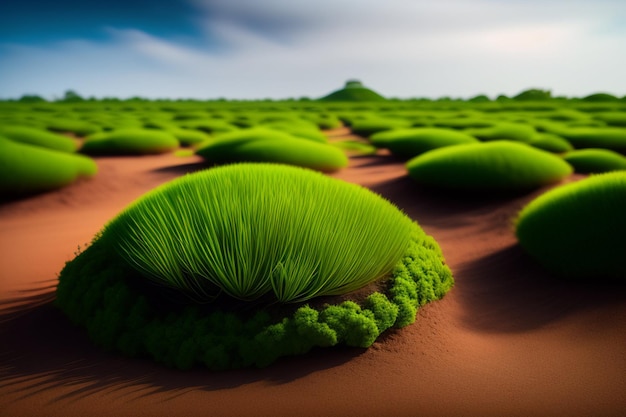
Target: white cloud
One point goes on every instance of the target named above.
(400, 48)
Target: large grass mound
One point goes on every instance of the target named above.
(267, 145)
(492, 166)
(132, 141)
(260, 233)
(577, 230)
(27, 169)
(353, 91)
(408, 143)
(613, 138)
(587, 161)
(38, 137)
(520, 132)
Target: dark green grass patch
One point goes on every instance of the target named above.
(577, 230)
(408, 143)
(295, 228)
(130, 142)
(267, 145)
(586, 161)
(38, 137)
(27, 169)
(493, 166)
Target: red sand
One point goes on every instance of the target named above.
(508, 340)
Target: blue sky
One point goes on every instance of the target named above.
(252, 49)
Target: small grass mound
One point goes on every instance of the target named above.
(612, 138)
(288, 235)
(407, 143)
(27, 169)
(550, 142)
(520, 132)
(368, 126)
(493, 166)
(130, 142)
(577, 230)
(588, 161)
(38, 137)
(267, 145)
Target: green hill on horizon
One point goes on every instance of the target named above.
(353, 91)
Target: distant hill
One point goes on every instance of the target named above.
(353, 91)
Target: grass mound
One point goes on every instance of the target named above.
(577, 230)
(353, 91)
(267, 145)
(492, 166)
(587, 161)
(551, 143)
(289, 234)
(520, 132)
(132, 141)
(408, 143)
(27, 169)
(371, 125)
(312, 240)
(613, 138)
(38, 137)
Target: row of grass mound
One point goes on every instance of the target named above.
(268, 145)
(245, 248)
(499, 166)
(38, 137)
(132, 141)
(407, 143)
(577, 230)
(27, 169)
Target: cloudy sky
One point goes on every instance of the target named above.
(253, 49)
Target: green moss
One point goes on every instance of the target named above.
(189, 137)
(27, 169)
(492, 166)
(38, 137)
(78, 127)
(130, 142)
(577, 230)
(354, 147)
(408, 143)
(97, 290)
(590, 160)
(267, 145)
(616, 118)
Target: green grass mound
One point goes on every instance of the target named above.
(493, 166)
(586, 161)
(38, 137)
(577, 230)
(189, 137)
(78, 127)
(520, 132)
(617, 118)
(210, 126)
(353, 91)
(299, 130)
(408, 143)
(354, 147)
(130, 142)
(267, 145)
(613, 138)
(27, 169)
(288, 235)
(368, 126)
(550, 142)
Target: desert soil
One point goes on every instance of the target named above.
(508, 340)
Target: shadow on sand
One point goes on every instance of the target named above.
(42, 350)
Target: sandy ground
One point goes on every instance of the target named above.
(508, 340)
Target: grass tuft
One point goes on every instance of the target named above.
(253, 230)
